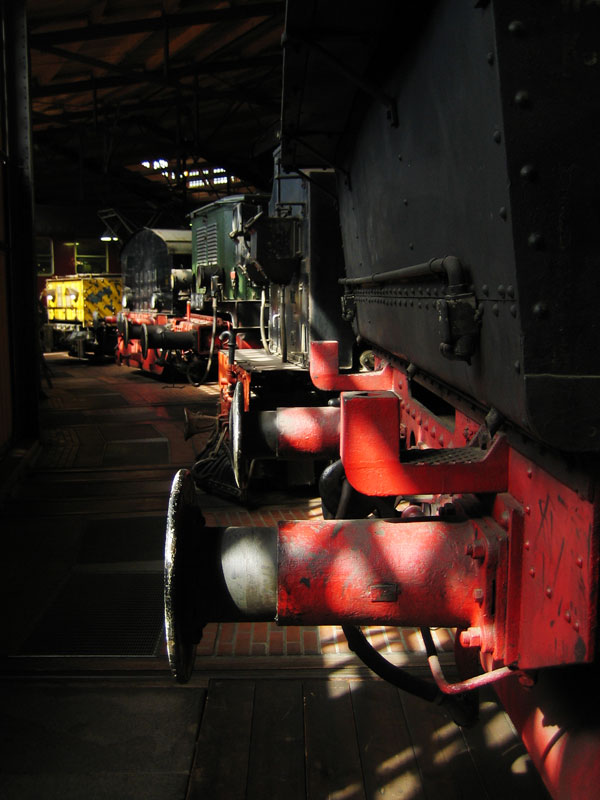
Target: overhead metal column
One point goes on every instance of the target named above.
(24, 347)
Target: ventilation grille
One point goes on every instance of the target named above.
(206, 245)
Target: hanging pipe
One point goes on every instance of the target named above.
(282, 324)
(263, 337)
(211, 351)
(467, 685)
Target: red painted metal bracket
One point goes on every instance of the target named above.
(553, 596)
(131, 355)
(375, 465)
(325, 374)
(229, 376)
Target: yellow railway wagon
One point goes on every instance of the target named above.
(75, 298)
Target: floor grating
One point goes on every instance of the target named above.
(123, 539)
(102, 614)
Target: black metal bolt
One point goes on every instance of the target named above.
(528, 172)
(535, 240)
(540, 310)
(503, 212)
(497, 137)
(517, 27)
(522, 99)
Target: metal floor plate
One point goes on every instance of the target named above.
(123, 539)
(134, 452)
(102, 614)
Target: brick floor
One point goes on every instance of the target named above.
(268, 639)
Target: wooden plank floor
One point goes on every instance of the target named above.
(269, 713)
(350, 740)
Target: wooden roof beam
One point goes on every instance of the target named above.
(170, 21)
(111, 82)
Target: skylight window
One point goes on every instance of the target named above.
(199, 178)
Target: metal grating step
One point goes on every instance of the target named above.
(102, 614)
(448, 456)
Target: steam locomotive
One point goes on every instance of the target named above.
(172, 279)
(463, 141)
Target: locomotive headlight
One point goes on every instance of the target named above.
(156, 301)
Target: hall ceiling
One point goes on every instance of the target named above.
(189, 87)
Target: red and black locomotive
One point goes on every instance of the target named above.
(462, 486)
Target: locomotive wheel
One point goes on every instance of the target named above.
(126, 332)
(236, 420)
(144, 341)
(183, 628)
